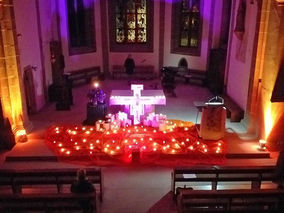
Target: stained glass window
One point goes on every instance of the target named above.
(130, 21)
(190, 20)
(186, 32)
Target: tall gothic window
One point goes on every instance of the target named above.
(81, 26)
(186, 27)
(130, 25)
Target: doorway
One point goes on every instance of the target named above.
(30, 89)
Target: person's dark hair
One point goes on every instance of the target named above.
(81, 174)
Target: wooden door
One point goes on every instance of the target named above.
(30, 89)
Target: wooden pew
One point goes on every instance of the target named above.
(192, 76)
(45, 202)
(29, 178)
(242, 200)
(83, 75)
(145, 72)
(217, 175)
(234, 111)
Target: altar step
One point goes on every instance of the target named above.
(45, 158)
(247, 155)
(31, 158)
(265, 155)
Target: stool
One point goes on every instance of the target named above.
(187, 78)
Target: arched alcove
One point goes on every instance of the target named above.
(183, 63)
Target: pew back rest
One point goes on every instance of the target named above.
(244, 200)
(83, 75)
(140, 72)
(45, 202)
(16, 179)
(234, 111)
(218, 174)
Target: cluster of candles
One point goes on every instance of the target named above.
(88, 141)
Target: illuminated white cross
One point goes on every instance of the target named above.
(137, 99)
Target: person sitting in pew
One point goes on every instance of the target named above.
(129, 66)
(83, 185)
(279, 169)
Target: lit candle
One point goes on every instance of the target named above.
(262, 144)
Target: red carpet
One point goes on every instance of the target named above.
(179, 146)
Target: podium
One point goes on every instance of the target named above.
(95, 113)
(213, 121)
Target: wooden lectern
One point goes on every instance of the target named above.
(213, 120)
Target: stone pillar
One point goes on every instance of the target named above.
(7, 139)
(265, 115)
(13, 101)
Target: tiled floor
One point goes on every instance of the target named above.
(130, 189)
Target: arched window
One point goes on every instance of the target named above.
(81, 26)
(186, 27)
(130, 25)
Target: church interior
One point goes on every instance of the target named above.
(201, 96)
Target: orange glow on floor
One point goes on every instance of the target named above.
(268, 120)
(272, 114)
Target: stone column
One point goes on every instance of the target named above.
(265, 115)
(13, 101)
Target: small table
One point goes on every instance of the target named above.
(95, 112)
